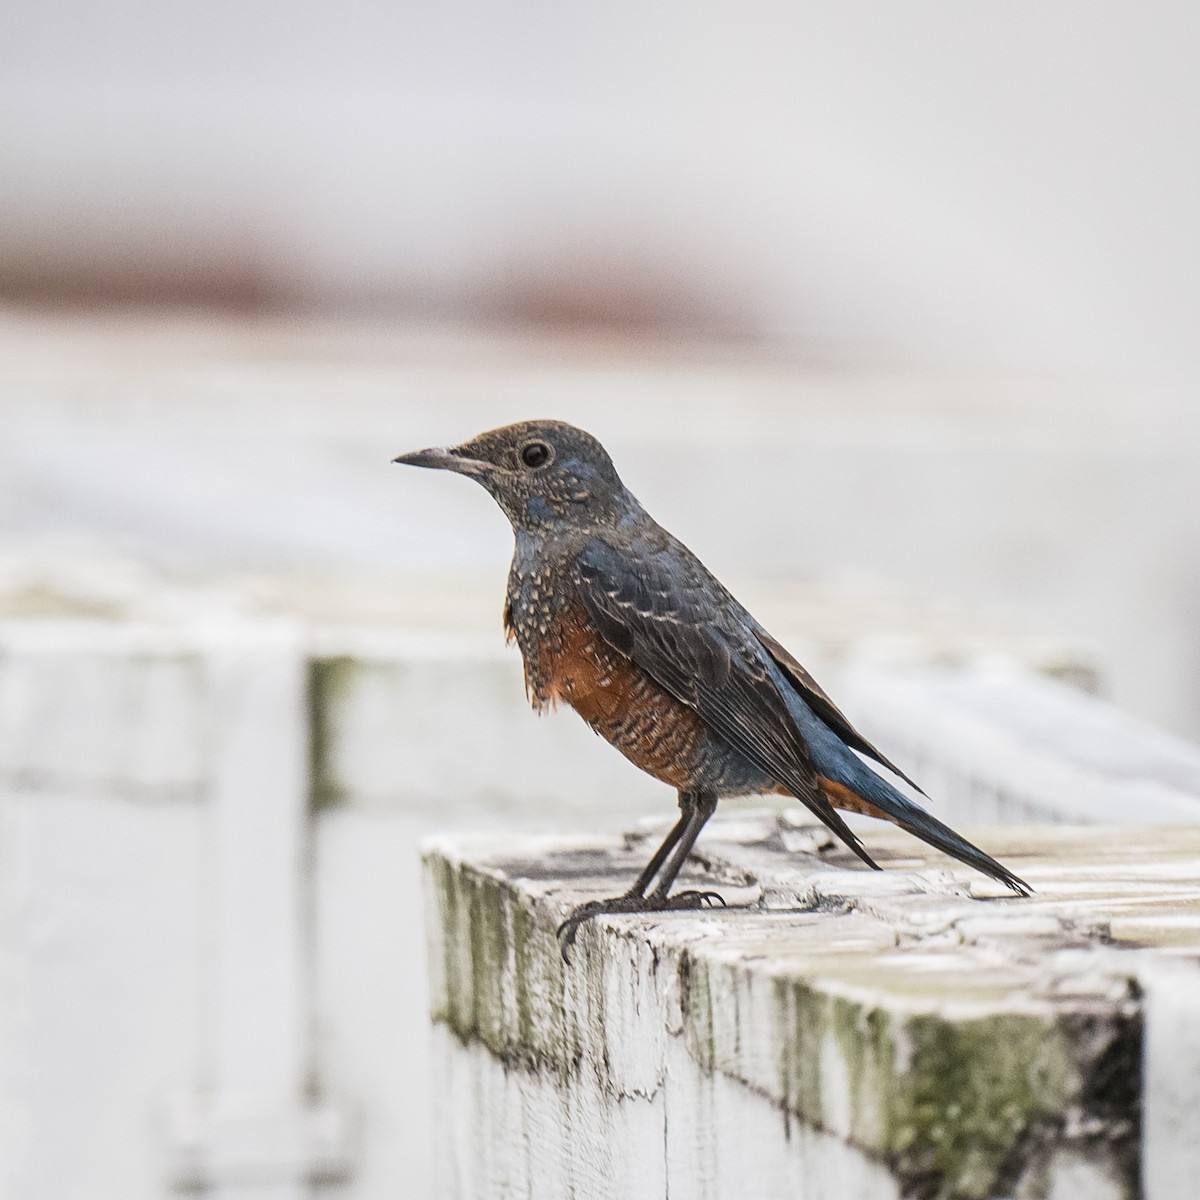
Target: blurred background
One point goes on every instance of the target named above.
(889, 311)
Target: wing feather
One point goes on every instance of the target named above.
(655, 608)
(815, 697)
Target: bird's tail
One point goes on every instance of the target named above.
(848, 783)
(873, 795)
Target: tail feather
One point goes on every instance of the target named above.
(849, 783)
(886, 802)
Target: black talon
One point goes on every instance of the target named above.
(699, 899)
(631, 902)
(627, 903)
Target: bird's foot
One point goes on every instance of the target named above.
(631, 902)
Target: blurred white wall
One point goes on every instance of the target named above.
(1067, 508)
(210, 929)
(983, 214)
(1016, 182)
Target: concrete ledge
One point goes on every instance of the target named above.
(909, 1033)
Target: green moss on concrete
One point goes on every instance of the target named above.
(956, 1102)
(810, 1022)
(487, 934)
(949, 1100)
(502, 978)
(328, 681)
(525, 994)
(972, 1092)
(696, 991)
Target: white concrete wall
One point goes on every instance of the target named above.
(204, 981)
(155, 1019)
(102, 871)
(998, 743)
(833, 1033)
(1056, 504)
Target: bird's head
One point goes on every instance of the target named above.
(540, 472)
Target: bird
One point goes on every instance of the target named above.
(619, 620)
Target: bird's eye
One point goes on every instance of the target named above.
(536, 454)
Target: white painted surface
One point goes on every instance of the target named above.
(182, 957)
(843, 1033)
(695, 1136)
(1060, 504)
(102, 709)
(998, 742)
(100, 1006)
(103, 918)
(428, 720)
(1172, 1067)
(258, 810)
(252, 1130)
(371, 998)
(155, 1021)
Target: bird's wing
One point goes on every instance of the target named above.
(816, 699)
(655, 609)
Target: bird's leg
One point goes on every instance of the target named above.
(634, 900)
(643, 881)
(696, 808)
(703, 805)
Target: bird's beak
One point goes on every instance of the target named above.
(445, 458)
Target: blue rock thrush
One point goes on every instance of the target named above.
(621, 621)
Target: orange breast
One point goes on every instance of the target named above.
(573, 664)
(618, 700)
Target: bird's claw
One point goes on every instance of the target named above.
(627, 903)
(695, 899)
(630, 902)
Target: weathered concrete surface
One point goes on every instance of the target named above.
(844, 1034)
(152, 802)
